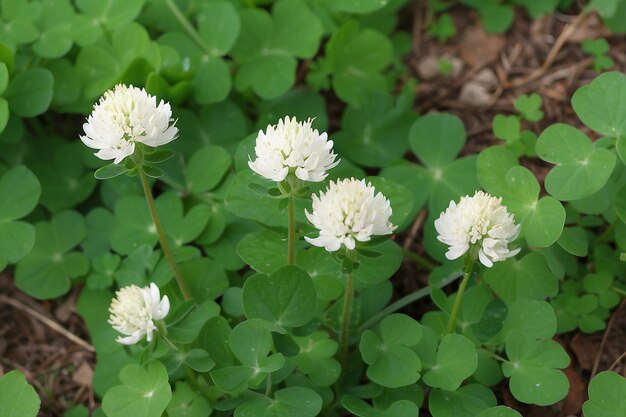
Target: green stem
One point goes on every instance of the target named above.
(469, 265)
(406, 300)
(495, 355)
(184, 22)
(164, 245)
(191, 377)
(291, 236)
(606, 235)
(268, 388)
(619, 290)
(420, 260)
(345, 322)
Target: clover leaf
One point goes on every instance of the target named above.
(110, 13)
(265, 250)
(268, 46)
(392, 363)
(315, 358)
(65, 182)
(581, 169)
(286, 297)
(535, 318)
(19, 193)
(30, 92)
(287, 402)
(17, 24)
(467, 401)
(187, 403)
(143, 392)
(356, 57)
(134, 226)
(456, 360)
(526, 278)
(400, 408)
(437, 139)
(606, 396)
(46, 271)
(250, 342)
(374, 133)
(529, 107)
(55, 38)
(206, 168)
(17, 397)
(499, 411)
(533, 369)
(506, 128)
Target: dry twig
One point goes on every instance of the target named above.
(47, 321)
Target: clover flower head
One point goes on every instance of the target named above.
(124, 116)
(481, 221)
(349, 211)
(293, 146)
(134, 311)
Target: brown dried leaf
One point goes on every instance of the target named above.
(83, 375)
(479, 48)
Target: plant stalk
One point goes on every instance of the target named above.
(291, 233)
(184, 22)
(162, 239)
(469, 265)
(404, 301)
(345, 321)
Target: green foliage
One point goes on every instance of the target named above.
(392, 363)
(260, 337)
(17, 397)
(606, 396)
(286, 297)
(144, 392)
(19, 194)
(598, 48)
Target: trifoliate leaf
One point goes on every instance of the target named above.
(527, 278)
(533, 369)
(456, 360)
(534, 318)
(144, 392)
(187, 403)
(506, 128)
(30, 92)
(400, 408)
(287, 402)
(581, 169)
(357, 57)
(286, 297)
(19, 193)
(467, 401)
(46, 271)
(392, 363)
(530, 107)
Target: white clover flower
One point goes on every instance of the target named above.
(347, 212)
(479, 220)
(126, 115)
(290, 145)
(134, 311)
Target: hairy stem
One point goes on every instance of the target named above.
(420, 260)
(186, 24)
(404, 301)
(469, 265)
(291, 236)
(159, 229)
(345, 322)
